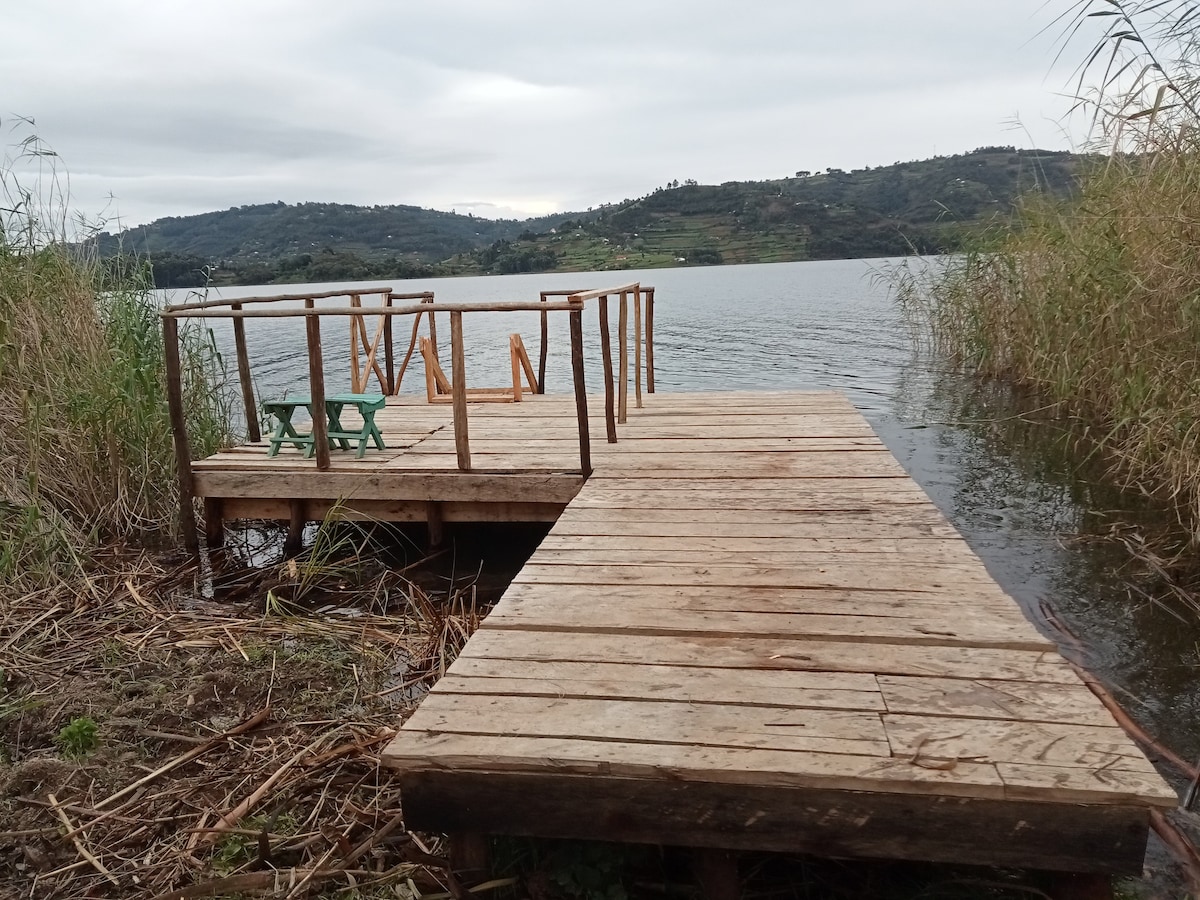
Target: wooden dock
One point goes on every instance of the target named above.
(750, 629)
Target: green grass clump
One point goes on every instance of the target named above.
(85, 442)
(78, 738)
(1095, 302)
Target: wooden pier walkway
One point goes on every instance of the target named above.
(750, 629)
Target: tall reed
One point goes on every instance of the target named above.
(1095, 302)
(85, 442)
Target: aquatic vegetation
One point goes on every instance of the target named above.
(85, 441)
(1094, 302)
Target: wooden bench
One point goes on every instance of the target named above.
(339, 435)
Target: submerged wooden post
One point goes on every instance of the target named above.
(462, 444)
(214, 523)
(183, 454)
(316, 387)
(649, 340)
(623, 344)
(389, 354)
(243, 363)
(610, 418)
(637, 347)
(581, 410)
(543, 351)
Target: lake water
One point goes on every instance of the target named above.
(1002, 475)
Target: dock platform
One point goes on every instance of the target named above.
(750, 629)
(747, 627)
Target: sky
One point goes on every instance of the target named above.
(511, 108)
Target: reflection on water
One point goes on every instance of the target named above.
(1007, 477)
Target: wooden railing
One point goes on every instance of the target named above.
(362, 369)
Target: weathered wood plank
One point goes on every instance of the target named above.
(765, 653)
(1068, 837)
(637, 620)
(986, 699)
(613, 681)
(985, 603)
(376, 485)
(389, 510)
(418, 751)
(655, 721)
(829, 574)
(1071, 745)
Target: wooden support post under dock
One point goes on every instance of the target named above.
(183, 459)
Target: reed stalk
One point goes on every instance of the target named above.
(85, 445)
(1094, 302)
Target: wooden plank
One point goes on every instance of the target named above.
(422, 751)
(779, 553)
(647, 620)
(693, 684)
(916, 540)
(936, 738)
(389, 510)
(805, 527)
(1107, 784)
(656, 721)
(490, 443)
(778, 653)
(983, 698)
(829, 574)
(1070, 837)
(988, 603)
(581, 520)
(377, 485)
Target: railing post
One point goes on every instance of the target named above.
(183, 454)
(581, 410)
(462, 444)
(515, 359)
(389, 355)
(243, 363)
(432, 328)
(610, 418)
(623, 344)
(355, 323)
(543, 351)
(637, 347)
(316, 386)
(649, 340)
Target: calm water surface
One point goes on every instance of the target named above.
(1003, 477)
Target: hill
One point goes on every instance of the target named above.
(923, 206)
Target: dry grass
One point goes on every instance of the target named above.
(85, 447)
(236, 744)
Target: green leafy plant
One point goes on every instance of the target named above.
(78, 738)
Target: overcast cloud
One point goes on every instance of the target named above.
(512, 107)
